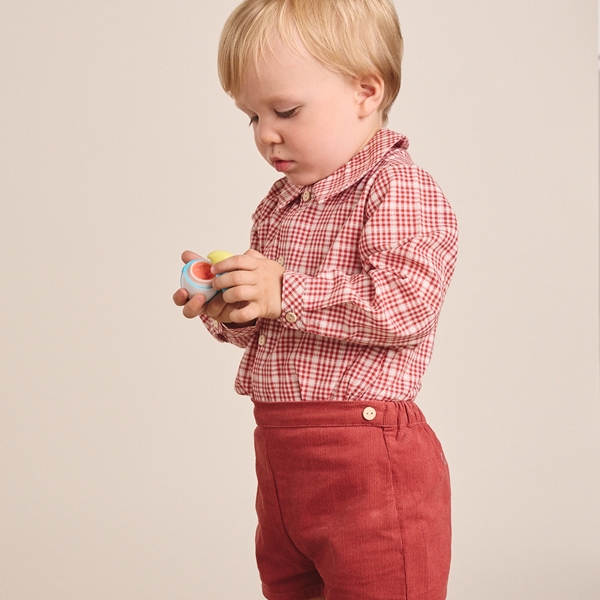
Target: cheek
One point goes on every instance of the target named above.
(328, 128)
(309, 139)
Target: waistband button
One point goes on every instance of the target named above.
(369, 413)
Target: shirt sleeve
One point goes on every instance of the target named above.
(407, 250)
(240, 337)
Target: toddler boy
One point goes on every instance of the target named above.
(336, 304)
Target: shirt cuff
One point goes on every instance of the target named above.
(241, 336)
(292, 300)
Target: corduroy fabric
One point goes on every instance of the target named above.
(351, 508)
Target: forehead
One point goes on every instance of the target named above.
(281, 71)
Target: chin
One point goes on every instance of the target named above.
(302, 180)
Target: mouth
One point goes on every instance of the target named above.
(281, 165)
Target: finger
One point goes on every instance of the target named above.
(189, 255)
(239, 262)
(224, 315)
(194, 306)
(240, 293)
(180, 297)
(234, 278)
(215, 307)
(245, 313)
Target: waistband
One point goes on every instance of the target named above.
(337, 414)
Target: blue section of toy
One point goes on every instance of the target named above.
(194, 285)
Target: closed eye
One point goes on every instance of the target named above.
(286, 114)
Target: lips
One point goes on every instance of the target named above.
(282, 165)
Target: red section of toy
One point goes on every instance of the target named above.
(201, 270)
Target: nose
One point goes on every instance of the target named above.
(266, 133)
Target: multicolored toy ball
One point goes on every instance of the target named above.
(196, 276)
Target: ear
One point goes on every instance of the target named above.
(370, 90)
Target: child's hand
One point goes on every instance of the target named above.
(252, 286)
(217, 308)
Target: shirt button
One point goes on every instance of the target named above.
(306, 195)
(369, 413)
(262, 340)
(291, 317)
(281, 260)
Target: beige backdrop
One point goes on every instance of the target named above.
(126, 467)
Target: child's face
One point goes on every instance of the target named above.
(308, 121)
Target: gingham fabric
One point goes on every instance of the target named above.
(369, 252)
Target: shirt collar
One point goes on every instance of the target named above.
(375, 150)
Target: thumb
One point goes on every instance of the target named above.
(188, 255)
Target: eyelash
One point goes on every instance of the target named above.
(286, 114)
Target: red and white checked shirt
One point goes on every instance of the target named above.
(368, 252)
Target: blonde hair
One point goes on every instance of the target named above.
(355, 38)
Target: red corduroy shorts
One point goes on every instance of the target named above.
(353, 502)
